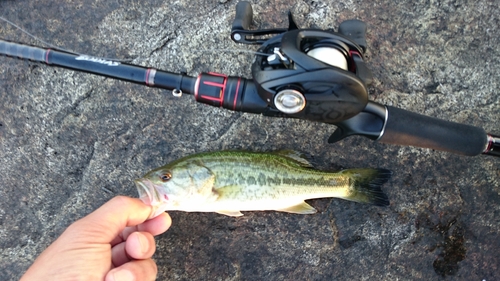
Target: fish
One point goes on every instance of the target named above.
(228, 182)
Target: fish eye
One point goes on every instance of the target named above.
(165, 177)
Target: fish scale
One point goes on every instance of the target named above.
(228, 182)
(276, 176)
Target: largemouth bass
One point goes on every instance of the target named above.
(228, 182)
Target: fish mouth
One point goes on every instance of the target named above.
(150, 196)
(147, 192)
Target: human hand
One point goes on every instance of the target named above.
(113, 243)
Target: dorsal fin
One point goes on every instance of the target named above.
(297, 156)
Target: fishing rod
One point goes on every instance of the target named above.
(311, 74)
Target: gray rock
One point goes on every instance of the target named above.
(70, 141)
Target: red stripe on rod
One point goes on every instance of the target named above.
(236, 94)
(211, 98)
(47, 56)
(213, 84)
(147, 76)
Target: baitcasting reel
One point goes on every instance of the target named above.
(310, 74)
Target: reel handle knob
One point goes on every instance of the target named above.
(242, 20)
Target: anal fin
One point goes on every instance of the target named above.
(230, 213)
(302, 208)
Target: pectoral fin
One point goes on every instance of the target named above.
(230, 213)
(302, 208)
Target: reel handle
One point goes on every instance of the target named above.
(240, 29)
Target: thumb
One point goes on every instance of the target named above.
(116, 214)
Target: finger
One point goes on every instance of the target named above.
(134, 270)
(122, 236)
(140, 245)
(119, 255)
(155, 226)
(112, 217)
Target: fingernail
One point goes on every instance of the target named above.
(122, 275)
(143, 243)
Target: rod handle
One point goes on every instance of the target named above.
(408, 128)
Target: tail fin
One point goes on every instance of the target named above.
(366, 186)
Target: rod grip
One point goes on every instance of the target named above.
(409, 128)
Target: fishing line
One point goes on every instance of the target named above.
(34, 37)
(51, 45)
(122, 60)
(233, 51)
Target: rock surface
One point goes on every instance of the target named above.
(70, 141)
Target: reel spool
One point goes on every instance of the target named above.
(329, 55)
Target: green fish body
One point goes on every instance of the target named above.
(228, 182)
